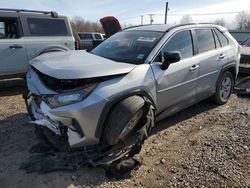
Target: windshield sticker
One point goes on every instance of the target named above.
(140, 56)
(146, 39)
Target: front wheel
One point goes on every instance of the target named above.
(124, 118)
(224, 88)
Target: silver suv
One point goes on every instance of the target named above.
(139, 75)
(25, 34)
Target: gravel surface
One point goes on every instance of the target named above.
(203, 146)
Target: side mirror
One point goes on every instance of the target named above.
(169, 58)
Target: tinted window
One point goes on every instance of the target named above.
(97, 36)
(181, 42)
(47, 27)
(222, 38)
(205, 40)
(246, 43)
(2, 29)
(129, 46)
(85, 36)
(9, 28)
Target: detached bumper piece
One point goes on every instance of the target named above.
(116, 160)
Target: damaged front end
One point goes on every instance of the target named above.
(57, 104)
(66, 112)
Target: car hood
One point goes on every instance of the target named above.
(78, 65)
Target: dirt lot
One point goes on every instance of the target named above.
(203, 146)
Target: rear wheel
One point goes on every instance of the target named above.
(224, 88)
(124, 118)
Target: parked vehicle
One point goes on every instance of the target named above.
(134, 77)
(245, 57)
(88, 40)
(25, 34)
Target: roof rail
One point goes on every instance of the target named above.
(52, 13)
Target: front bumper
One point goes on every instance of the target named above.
(79, 119)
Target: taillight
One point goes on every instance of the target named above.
(77, 45)
(239, 49)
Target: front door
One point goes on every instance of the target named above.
(12, 48)
(177, 85)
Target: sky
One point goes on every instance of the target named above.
(129, 11)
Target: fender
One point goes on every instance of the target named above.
(231, 65)
(115, 100)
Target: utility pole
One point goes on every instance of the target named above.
(166, 13)
(151, 18)
(141, 19)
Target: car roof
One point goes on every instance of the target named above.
(29, 13)
(166, 28)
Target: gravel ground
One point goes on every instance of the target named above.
(203, 146)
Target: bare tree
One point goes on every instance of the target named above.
(78, 24)
(221, 22)
(186, 19)
(243, 20)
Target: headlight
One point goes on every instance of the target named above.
(70, 97)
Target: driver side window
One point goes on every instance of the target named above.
(182, 42)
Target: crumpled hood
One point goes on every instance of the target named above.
(78, 65)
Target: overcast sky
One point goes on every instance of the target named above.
(129, 11)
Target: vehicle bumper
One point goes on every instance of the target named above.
(80, 119)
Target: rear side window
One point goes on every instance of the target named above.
(222, 38)
(97, 36)
(85, 36)
(9, 28)
(205, 40)
(2, 29)
(246, 43)
(181, 42)
(47, 27)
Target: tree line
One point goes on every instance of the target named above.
(242, 20)
(78, 24)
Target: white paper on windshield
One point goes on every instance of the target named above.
(146, 39)
(140, 56)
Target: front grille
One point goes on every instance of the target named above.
(61, 85)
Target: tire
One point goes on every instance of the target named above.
(224, 88)
(123, 119)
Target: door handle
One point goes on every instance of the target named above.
(194, 67)
(15, 46)
(221, 56)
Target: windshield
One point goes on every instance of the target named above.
(128, 46)
(246, 43)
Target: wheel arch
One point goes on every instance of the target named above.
(231, 68)
(51, 49)
(113, 101)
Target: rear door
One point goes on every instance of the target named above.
(211, 57)
(44, 32)
(176, 86)
(12, 47)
